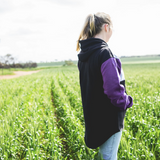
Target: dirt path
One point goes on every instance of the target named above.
(18, 74)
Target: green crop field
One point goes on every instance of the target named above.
(41, 116)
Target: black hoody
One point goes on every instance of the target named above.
(103, 93)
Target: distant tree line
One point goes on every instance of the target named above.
(8, 61)
(140, 56)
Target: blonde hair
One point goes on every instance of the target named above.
(93, 25)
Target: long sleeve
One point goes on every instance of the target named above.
(111, 83)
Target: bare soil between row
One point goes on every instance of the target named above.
(18, 74)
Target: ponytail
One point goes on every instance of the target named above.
(93, 25)
(88, 30)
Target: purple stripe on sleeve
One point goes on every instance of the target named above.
(112, 87)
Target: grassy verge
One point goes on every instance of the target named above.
(6, 72)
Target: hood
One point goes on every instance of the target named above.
(88, 46)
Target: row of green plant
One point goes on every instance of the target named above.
(27, 119)
(72, 131)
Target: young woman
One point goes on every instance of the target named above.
(102, 83)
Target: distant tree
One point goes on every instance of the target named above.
(18, 65)
(34, 65)
(8, 59)
(1, 66)
(69, 63)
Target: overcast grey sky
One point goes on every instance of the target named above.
(45, 30)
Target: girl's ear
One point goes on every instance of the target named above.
(106, 27)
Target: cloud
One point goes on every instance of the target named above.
(21, 32)
(5, 6)
(67, 2)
